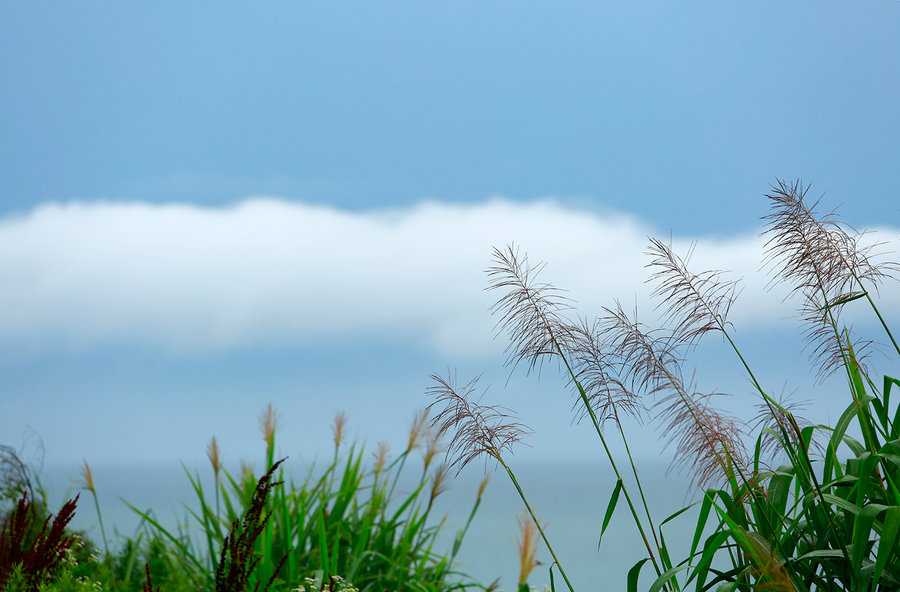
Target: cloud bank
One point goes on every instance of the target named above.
(269, 272)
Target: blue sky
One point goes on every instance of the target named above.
(207, 208)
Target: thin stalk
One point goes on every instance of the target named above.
(100, 520)
(612, 462)
(537, 523)
(596, 423)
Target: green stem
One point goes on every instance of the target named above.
(100, 520)
(537, 523)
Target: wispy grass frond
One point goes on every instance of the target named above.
(692, 304)
(433, 447)
(708, 442)
(598, 373)
(476, 429)
(776, 422)
(531, 313)
(87, 477)
(825, 262)
(650, 359)
(381, 455)
(337, 428)
(527, 546)
(268, 424)
(418, 430)
(212, 453)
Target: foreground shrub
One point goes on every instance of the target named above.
(34, 557)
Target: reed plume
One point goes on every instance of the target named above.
(827, 264)
(381, 456)
(598, 373)
(337, 429)
(527, 547)
(268, 425)
(212, 453)
(692, 304)
(708, 442)
(417, 430)
(476, 429)
(533, 316)
(531, 313)
(87, 478)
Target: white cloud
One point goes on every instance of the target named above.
(269, 272)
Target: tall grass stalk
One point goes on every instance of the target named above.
(822, 521)
(87, 478)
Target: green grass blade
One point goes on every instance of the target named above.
(610, 508)
(666, 577)
(889, 544)
(634, 573)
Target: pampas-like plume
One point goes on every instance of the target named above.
(268, 425)
(774, 422)
(417, 430)
(527, 546)
(692, 304)
(530, 312)
(337, 428)
(823, 262)
(598, 374)
(707, 441)
(477, 429)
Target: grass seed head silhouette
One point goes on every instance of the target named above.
(531, 313)
(826, 263)
(476, 429)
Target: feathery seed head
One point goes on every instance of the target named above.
(597, 371)
(527, 546)
(823, 261)
(268, 424)
(417, 430)
(439, 482)
(708, 442)
(87, 477)
(692, 304)
(337, 429)
(381, 455)
(477, 429)
(432, 448)
(483, 485)
(530, 312)
(212, 453)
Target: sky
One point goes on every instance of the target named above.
(207, 208)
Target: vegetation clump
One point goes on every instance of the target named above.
(361, 516)
(826, 519)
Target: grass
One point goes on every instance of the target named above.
(357, 519)
(819, 520)
(781, 504)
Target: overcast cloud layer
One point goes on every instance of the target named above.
(270, 272)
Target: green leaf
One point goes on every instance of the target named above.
(634, 573)
(665, 577)
(848, 298)
(610, 508)
(861, 529)
(888, 544)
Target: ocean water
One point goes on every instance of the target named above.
(569, 497)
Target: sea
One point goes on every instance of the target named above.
(570, 498)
